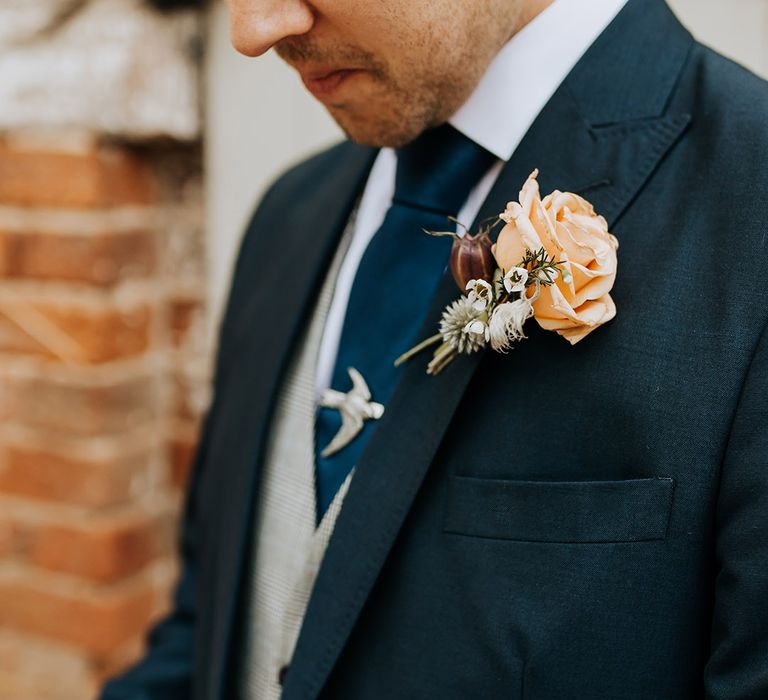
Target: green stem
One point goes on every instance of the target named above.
(443, 357)
(418, 348)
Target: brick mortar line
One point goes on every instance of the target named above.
(93, 449)
(149, 365)
(151, 291)
(86, 222)
(152, 448)
(38, 512)
(18, 640)
(157, 427)
(155, 574)
(67, 140)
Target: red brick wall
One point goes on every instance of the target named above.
(103, 371)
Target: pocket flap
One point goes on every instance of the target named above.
(631, 510)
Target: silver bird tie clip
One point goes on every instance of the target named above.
(355, 407)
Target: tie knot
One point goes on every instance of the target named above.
(437, 171)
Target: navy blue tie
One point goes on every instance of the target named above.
(394, 284)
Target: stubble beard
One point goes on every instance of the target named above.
(397, 117)
(397, 109)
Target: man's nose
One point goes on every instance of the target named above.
(257, 25)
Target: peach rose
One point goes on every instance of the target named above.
(566, 226)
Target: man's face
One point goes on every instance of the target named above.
(384, 69)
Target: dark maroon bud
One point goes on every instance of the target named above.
(472, 259)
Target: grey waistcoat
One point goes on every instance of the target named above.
(288, 545)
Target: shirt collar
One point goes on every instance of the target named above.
(528, 70)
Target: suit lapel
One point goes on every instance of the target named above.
(583, 141)
(260, 331)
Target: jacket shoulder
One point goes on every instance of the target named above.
(718, 177)
(732, 102)
(305, 176)
(728, 141)
(311, 185)
(304, 184)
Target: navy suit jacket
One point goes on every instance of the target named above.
(559, 522)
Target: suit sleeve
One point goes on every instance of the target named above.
(165, 672)
(737, 668)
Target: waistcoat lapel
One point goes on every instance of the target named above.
(289, 261)
(602, 135)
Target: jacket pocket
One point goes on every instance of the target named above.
(631, 510)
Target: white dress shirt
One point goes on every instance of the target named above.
(515, 88)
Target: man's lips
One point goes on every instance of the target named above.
(323, 83)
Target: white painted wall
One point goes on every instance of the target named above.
(88, 76)
(260, 118)
(736, 28)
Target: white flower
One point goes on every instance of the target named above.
(480, 294)
(515, 279)
(478, 327)
(506, 323)
(458, 318)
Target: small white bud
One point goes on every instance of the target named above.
(515, 279)
(480, 294)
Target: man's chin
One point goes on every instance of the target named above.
(377, 132)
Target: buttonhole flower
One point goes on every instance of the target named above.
(507, 321)
(515, 280)
(480, 294)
